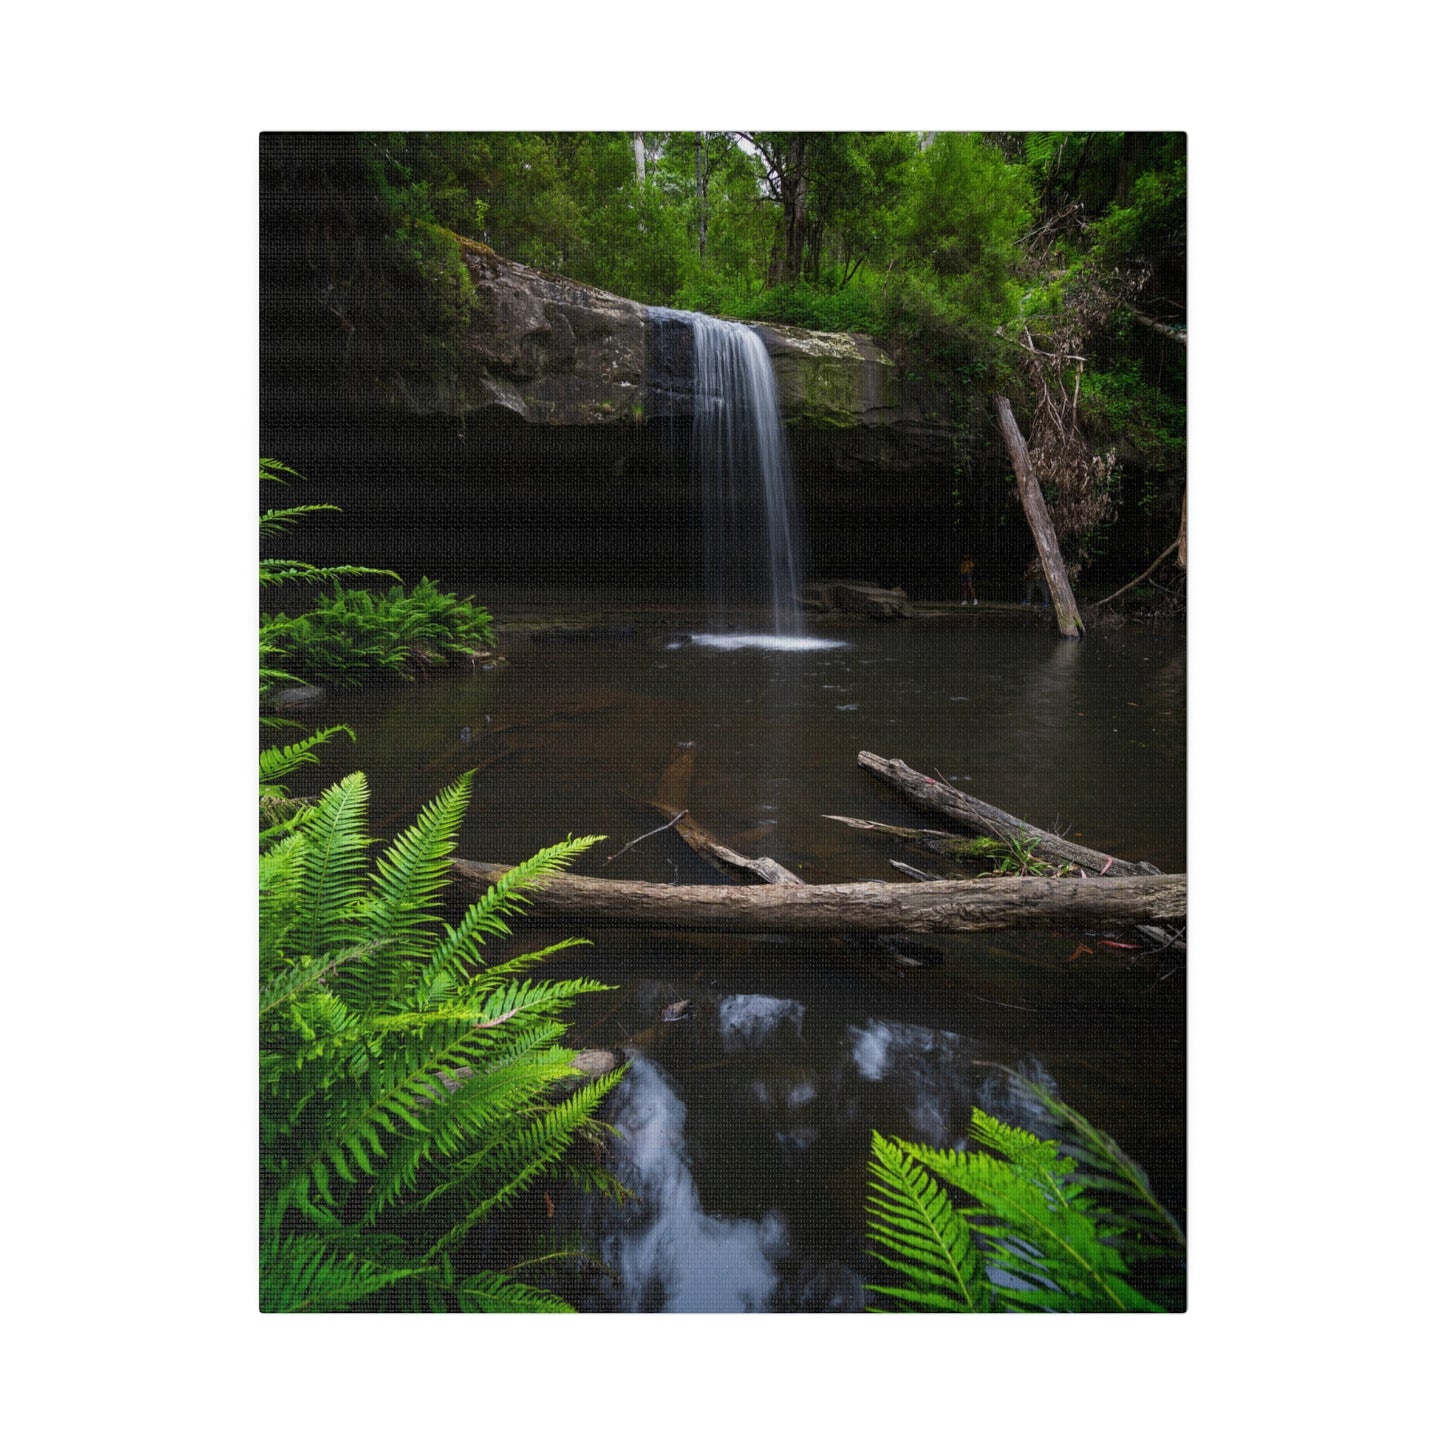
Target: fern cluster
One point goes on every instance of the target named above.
(357, 636)
(409, 1090)
(1037, 1228)
(274, 572)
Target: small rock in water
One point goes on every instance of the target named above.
(466, 734)
(674, 1012)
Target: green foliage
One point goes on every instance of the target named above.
(1151, 227)
(280, 812)
(1039, 1226)
(356, 637)
(1120, 402)
(409, 1091)
(1013, 855)
(275, 633)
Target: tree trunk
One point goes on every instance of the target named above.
(1183, 527)
(701, 194)
(793, 186)
(1066, 610)
(948, 907)
(943, 801)
(639, 155)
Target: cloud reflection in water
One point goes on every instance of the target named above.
(670, 1254)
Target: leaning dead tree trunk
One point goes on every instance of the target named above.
(946, 907)
(943, 801)
(1066, 610)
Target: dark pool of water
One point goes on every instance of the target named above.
(744, 1129)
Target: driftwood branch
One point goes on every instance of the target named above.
(940, 799)
(1142, 576)
(644, 836)
(1158, 326)
(947, 907)
(946, 845)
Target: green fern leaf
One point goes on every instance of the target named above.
(921, 1236)
(278, 519)
(280, 762)
(330, 886)
(305, 1275)
(406, 886)
(491, 1293)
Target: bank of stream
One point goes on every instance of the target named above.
(744, 1126)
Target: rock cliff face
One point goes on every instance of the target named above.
(552, 352)
(558, 451)
(549, 350)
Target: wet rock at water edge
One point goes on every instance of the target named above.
(858, 599)
(297, 697)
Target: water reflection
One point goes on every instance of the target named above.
(748, 1020)
(926, 1073)
(670, 1254)
(746, 1149)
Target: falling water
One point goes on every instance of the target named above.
(751, 537)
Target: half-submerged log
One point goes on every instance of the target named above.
(945, 801)
(946, 845)
(949, 907)
(1066, 610)
(671, 798)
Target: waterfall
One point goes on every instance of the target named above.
(740, 462)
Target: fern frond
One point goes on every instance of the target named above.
(459, 949)
(278, 519)
(921, 1237)
(444, 971)
(406, 886)
(272, 471)
(279, 762)
(524, 1154)
(491, 1293)
(329, 886)
(275, 571)
(1110, 1169)
(402, 1095)
(508, 895)
(306, 1275)
(285, 985)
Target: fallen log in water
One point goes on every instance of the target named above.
(945, 801)
(947, 907)
(672, 793)
(946, 845)
(671, 799)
